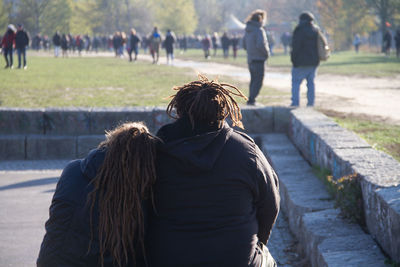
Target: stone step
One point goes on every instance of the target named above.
(326, 239)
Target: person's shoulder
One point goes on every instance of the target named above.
(244, 140)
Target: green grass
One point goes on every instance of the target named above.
(100, 82)
(342, 63)
(381, 136)
(89, 82)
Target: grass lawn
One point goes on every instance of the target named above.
(381, 136)
(100, 82)
(343, 63)
(89, 82)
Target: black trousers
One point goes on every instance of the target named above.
(8, 55)
(256, 69)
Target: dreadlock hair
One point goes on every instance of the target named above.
(207, 102)
(123, 181)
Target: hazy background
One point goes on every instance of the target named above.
(341, 19)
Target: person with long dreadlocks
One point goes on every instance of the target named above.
(99, 208)
(217, 196)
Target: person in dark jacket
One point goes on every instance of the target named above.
(397, 41)
(65, 42)
(169, 42)
(305, 58)
(57, 43)
(88, 225)
(216, 195)
(225, 43)
(21, 42)
(387, 42)
(134, 41)
(8, 44)
(255, 42)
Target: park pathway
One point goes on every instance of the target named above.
(370, 96)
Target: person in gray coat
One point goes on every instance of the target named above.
(256, 44)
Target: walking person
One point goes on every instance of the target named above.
(206, 45)
(57, 43)
(216, 195)
(134, 41)
(304, 57)
(8, 44)
(215, 41)
(256, 44)
(21, 42)
(169, 42)
(88, 225)
(397, 41)
(64, 45)
(387, 43)
(357, 42)
(225, 43)
(155, 42)
(235, 45)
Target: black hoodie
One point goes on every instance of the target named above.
(68, 231)
(216, 197)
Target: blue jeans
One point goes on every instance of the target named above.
(298, 75)
(21, 51)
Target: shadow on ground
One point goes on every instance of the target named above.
(31, 183)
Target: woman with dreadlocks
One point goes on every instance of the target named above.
(99, 208)
(216, 195)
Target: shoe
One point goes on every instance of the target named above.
(6, 66)
(19, 67)
(25, 67)
(11, 67)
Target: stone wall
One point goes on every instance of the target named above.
(322, 142)
(71, 133)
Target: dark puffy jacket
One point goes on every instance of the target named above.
(68, 230)
(21, 39)
(304, 45)
(216, 197)
(57, 39)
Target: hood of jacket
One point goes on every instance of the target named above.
(91, 164)
(252, 26)
(195, 149)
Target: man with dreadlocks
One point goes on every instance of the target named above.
(98, 211)
(216, 195)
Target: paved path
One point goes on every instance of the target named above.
(350, 94)
(26, 189)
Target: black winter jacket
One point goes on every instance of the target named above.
(21, 39)
(68, 231)
(216, 196)
(304, 45)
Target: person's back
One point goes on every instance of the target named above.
(216, 197)
(57, 39)
(304, 45)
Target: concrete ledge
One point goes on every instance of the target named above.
(21, 121)
(50, 147)
(321, 232)
(86, 143)
(12, 147)
(324, 143)
(81, 121)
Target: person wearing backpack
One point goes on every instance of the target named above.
(305, 57)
